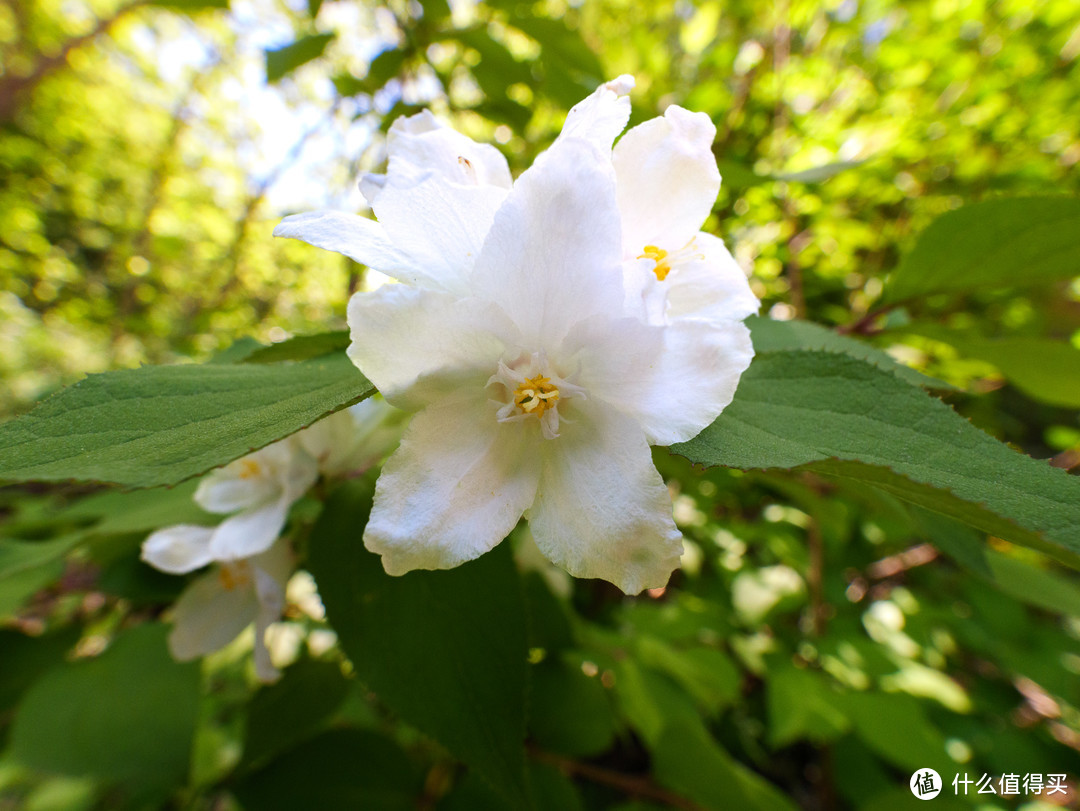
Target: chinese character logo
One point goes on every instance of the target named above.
(925, 784)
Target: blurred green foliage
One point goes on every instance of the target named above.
(824, 638)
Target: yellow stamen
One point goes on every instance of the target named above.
(249, 469)
(536, 395)
(233, 576)
(660, 257)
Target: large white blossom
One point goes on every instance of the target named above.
(666, 181)
(537, 360)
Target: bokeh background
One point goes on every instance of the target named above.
(148, 149)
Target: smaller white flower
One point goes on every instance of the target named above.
(216, 607)
(259, 488)
(666, 182)
(354, 439)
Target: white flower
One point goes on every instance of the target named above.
(353, 439)
(666, 179)
(259, 488)
(217, 606)
(419, 146)
(537, 393)
(667, 182)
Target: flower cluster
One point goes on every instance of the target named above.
(251, 561)
(546, 331)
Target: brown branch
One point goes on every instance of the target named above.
(631, 785)
(13, 87)
(908, 559)
(864, 325)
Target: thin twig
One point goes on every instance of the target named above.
(631, 785)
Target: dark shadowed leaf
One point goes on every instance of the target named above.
(127, 716)
(446, 650)
(342, 768)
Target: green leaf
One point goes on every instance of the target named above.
(687, 760)
(778, 336)
(561, 44)
(163, 424)
(817, 174)
(127, 716)
(569, 712)
(998, 243)
(342, 768)
(383, 68)
(1045, 370)
(705, 673)
(25, 658)
(896, 727)
(117, 512)
(19, 556)
(802, 706)
(302, 347)
(446, 650)
(292, 709)
(1034, 585)
(842, 417)
(283, 61)
(26, 567)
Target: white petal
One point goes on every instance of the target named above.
(179, 549)
(420, 144)
(602, 509)
(250, 532)
(362, 240)
(270, 592)
(667, 180)
(600, 117)
(455, 488)
(227, 490)
(414, 343)
(280, 469)
(673, 381)
(208, 616)
(370, 185)
(713, 287)
(440, 225)
(552, 256)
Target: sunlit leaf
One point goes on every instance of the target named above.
(843, 417)
(163, 424)
(282, 61)
(1045, 370)
(771, 336)
(998, 243)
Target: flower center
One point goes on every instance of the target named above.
(249, 469)
(660, 257)
(530, 388)
(666, 261)
(234, 575)
(536, 395)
